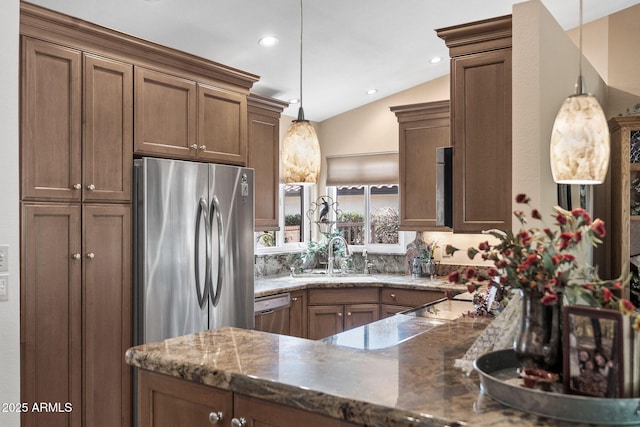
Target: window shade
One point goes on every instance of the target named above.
(363, 169)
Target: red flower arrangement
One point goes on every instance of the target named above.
(543, 259)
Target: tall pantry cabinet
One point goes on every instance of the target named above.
(76, 156)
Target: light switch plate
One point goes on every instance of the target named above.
(4, 258)
(4, 287)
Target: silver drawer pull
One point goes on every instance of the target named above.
(216, 417)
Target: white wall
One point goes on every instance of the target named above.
(545, 70)
(9, 209)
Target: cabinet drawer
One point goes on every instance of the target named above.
(343, 296)
(409, 297)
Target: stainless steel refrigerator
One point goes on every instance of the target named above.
(193, 245)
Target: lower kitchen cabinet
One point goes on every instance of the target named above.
(334, 310)
(168, 401)
(76, 313)
(395, 300)
(261, 413)
(298, 314)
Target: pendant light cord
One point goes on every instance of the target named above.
(580, 84)
(300, 110)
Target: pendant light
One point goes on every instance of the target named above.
(300, 149)
(579, 149)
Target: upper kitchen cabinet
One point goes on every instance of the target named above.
(177, 117)
(423, 128)
(165, 115)
(481, 123)
(222, 126)
(60, 158)
(264, 157)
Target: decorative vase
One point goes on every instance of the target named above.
(538, 341)
(429, 268)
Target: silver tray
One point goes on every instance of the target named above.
(498, 375)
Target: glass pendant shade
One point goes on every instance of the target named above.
(579, 149)
(300, 157)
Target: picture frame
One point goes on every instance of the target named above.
(593, 352)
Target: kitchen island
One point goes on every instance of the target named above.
(412, 383)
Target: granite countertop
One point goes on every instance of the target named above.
(413, 383)
(273, 284)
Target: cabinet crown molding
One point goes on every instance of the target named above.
(488, 34)
(43, 23)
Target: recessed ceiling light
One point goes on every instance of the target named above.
(294, 101)
(268, 41)
(435, 60)
(372, 91)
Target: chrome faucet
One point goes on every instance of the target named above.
(330, 253)
(367, 265)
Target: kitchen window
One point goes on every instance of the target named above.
(368, 215)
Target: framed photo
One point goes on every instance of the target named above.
(593, 351)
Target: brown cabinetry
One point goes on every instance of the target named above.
(76, 146)
(423, 128)
(75, 321)
(620, 194)
(263, 117)
(61, 159)
(261, 413)
(481, 123)
(332, 311)
(168, 401)
(180, 118)
(165, 115)
(298, 314)
(394, 300)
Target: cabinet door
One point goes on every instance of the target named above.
(164, 401)
(263, 157)
(409, 297)
(107, 314)
(165, 115)
(360, 314)
(423, 128)
(108, 131)
(222, 126)
(325, 320)
(50, 315)
(481, 137)
(298, 314)
(262, 413)
(50, 122)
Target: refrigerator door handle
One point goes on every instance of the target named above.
(215, 210)
(204, 294)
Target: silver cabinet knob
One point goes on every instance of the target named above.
(393, 296)
(77, 186)
(76, 256)
(91, 255)
(339, 314)
(203, 147)
(91, 187)
(238, 422)
(348, 313)
(193, 146)
(294, 299)
(216, 417)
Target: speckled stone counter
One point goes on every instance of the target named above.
(271, 285)
(413, 383)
